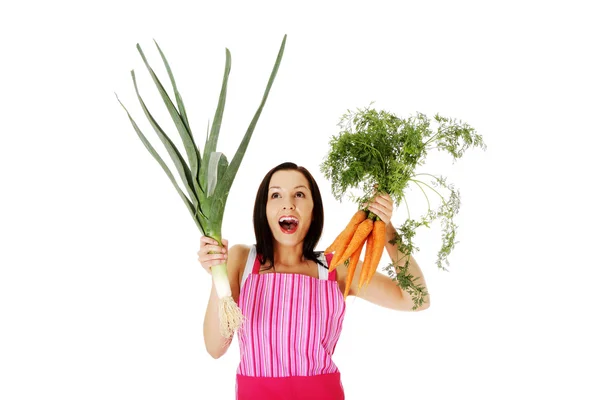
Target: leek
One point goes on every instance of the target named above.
(207, 178)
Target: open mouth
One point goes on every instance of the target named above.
(288, 224)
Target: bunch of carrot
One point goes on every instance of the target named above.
(364, 227)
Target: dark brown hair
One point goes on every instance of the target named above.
(264, 236)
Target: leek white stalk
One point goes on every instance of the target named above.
(208, 178)
(230, 315)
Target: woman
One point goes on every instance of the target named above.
(293, 306)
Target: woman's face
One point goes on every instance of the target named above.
(289, 207)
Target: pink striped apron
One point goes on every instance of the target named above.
(293, 323)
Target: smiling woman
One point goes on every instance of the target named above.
(293, 304)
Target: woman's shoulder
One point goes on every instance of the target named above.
(237, 255)
(239, 250)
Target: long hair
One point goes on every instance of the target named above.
(264, 236)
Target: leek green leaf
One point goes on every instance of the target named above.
(212, 139)
(182, 128)
(217, 165)
(160, 161)
(180, 165)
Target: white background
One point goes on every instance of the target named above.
(101, 293)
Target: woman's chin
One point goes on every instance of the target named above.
(289, 239)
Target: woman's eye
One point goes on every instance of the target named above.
(275, 195)
(299, 194)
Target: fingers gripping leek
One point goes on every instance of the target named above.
(207, 179)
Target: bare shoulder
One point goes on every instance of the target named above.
(239, 250)
(236, 260)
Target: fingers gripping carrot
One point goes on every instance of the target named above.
(342, 240)
(378, 246)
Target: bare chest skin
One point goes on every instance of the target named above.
(308, 269)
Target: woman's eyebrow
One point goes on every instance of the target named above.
(299, 186)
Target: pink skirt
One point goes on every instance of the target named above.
(317, 387)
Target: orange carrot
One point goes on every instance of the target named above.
(344, 237)
(351, 268)
(378, 246)
(358, 239)
(367, 260)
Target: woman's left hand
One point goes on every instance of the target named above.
(382, 205)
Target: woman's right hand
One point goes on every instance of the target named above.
(208, 246)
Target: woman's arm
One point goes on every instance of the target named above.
(215, 343)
